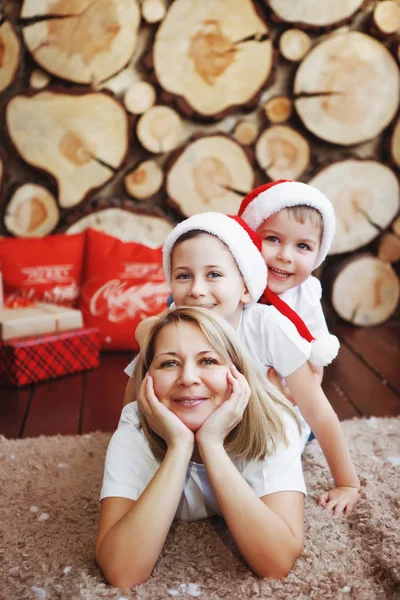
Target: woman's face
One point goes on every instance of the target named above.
(190, 377)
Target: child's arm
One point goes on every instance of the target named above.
(268, 530)
(276, 380)
(318, 373)
(326, 427)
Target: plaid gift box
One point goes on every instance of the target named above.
(33, 359)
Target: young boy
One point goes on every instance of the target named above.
(296, 223)
(214, 261)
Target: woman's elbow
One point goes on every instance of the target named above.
(281, 568)
(120, 576)
(125, 580)
(279, 573)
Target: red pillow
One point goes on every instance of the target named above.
(123, 283)
(45, 269)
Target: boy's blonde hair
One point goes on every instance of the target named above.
(303, 214)
(262, 426)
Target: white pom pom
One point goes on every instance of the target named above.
(324, 349)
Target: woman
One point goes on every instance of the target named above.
(208, 435)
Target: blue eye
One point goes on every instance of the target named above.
(271, 238)
(168, 363)
(183, 276)
(214, 274)
(304, 246)
(209, 361)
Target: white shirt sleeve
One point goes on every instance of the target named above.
(130, 368)
(273, 340)
(310, 308)
(130, 465)
(287, 350)
(281, 472)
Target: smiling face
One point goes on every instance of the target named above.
(205, 274)
(189, 376)
(290, 249)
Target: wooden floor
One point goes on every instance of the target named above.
(363, 381)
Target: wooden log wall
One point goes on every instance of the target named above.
(131, 115)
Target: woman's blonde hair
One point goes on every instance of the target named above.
(262, 426)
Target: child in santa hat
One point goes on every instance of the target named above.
(214, 261)
(296, 223)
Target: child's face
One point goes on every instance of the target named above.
(205, 274)
(289, 249)
(190, 377)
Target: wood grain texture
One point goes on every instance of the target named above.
(104, 391)
(55, 407)
(367, 392)
(14, 404)
(378, 348)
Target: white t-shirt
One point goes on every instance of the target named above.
(130, 465)
(305, 300)
(272, 340)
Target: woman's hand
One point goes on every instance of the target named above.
(160, 419)
(340, 500)
(217, 426)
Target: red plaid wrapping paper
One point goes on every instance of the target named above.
(34, 359)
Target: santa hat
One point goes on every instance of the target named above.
(243, 243)
(270, 198)
(324, 348)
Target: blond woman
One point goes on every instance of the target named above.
(207, 436)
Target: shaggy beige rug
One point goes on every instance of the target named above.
(49, 508)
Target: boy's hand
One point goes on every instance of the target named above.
(340, 500)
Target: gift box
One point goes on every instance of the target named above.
(38, 358)
(37, 318)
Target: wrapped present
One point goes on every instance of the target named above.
(25, 318)
(38, 358)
